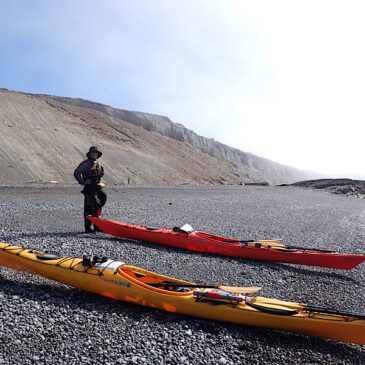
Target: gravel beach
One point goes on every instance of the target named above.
(45, 322)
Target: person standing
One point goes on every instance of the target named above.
(89, 174)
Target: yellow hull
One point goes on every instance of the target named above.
(131, 284)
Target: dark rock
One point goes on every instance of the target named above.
(346, 187)
(325, 183)
(264, 183)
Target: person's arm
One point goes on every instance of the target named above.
(79, 171)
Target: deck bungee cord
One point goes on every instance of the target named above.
(87, 262)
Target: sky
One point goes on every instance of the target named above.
(284, 80)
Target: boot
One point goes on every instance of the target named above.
(97, 229)
(88, 226)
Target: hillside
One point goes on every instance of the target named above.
(43, 138)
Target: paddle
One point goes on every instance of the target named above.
(263, 304)
(279, 246)
(273, 243)
(231, 289)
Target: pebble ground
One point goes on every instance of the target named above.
(45, 322)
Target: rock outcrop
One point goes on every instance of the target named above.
(346, 187)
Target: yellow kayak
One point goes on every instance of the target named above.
(119, 281)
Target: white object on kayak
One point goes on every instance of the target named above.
(187, 228)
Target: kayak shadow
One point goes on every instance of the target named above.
(275, 266)
(80, 302)
(6, 237)
(302, 270)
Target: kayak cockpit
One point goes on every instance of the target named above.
(154, 282)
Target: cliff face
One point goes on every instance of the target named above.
(44, 138)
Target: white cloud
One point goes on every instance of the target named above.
(314, 118)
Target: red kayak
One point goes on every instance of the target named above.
(269, 250)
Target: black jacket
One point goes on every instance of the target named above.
(89, 169)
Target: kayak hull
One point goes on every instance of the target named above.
(205, 242)
(131, 284)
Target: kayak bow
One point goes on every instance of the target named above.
(117, 280)
(268, 250)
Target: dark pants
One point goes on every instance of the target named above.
(95, 199)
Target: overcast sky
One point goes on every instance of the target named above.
(284, 80)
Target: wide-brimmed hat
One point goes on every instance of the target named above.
(93, 149)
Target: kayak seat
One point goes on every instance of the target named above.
(49, 256)
(179, 230)
(152, 228)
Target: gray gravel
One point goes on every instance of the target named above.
(44, 322)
